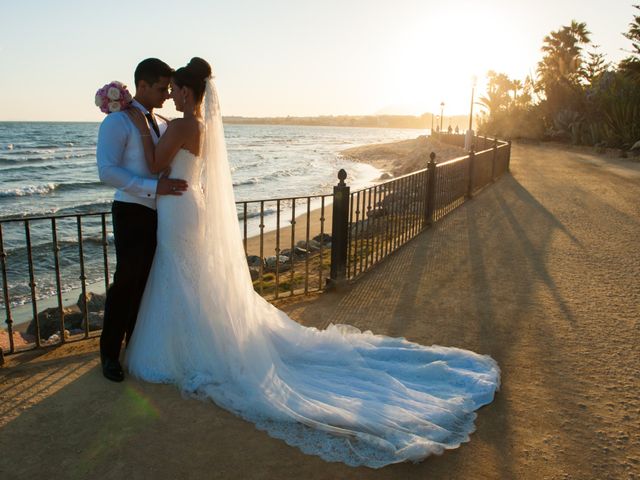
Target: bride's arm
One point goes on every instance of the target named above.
(159, 157)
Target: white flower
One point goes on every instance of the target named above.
(114, 106)
(113, 93)
(98, 101)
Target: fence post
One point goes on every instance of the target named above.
(339, 232)
(509, 156)
(493, 160)
(431, 190)
(472, 157)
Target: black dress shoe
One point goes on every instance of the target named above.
(112, 369)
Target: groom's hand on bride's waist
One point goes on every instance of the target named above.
(171, 186)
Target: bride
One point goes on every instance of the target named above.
(339, 393)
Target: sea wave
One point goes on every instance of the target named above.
(78, 185)
(46, 188)
(44, 250)
(78, 209)
(89, 207)
(37, 157)
(28, 190)
(254, 214)
(21, 294)
(250, 181)
(28, 168)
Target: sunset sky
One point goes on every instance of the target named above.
(286, 57)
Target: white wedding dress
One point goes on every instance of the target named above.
(342, 394)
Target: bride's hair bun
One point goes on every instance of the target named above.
(194, 76)
(200, 68)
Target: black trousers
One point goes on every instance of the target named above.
(134, 230)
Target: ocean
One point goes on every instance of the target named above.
(49, 168)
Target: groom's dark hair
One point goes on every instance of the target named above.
(150, 70)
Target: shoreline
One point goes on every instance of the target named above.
(403, 157)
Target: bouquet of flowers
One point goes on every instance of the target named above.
(113, 97)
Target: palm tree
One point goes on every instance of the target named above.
(497, 96)
(516, 86)
(562, 60)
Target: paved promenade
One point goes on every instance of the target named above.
(540, 270)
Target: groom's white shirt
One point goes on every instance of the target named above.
(121, 162)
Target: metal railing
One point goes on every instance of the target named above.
(45, 255)
(39, 268)
(382, 218)
(290, 249)
(292, 256)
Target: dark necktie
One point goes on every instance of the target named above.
(153, 123)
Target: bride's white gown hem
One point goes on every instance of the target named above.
(339, 393)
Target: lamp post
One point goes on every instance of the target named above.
(432, 124)
(468, 139)
(441, 114)
(474, 79)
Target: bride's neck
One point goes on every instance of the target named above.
(194, 112)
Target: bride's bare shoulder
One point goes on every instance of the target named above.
(188, 131)
(184, 126)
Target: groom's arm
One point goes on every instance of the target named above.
(112, 140)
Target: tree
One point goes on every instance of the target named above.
(516, 86)
(562, 60)
(631, 64)
(595, 65)
(497, 97)
(561, 73)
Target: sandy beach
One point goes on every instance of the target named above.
(400, 158)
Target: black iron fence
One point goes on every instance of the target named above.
(382, 218)
(289, 245)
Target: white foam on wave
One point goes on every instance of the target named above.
(29, 190)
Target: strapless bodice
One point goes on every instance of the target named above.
(180, 217)
(186, 166)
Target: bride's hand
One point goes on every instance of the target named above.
(139, 120)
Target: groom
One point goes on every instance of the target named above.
(121, 164)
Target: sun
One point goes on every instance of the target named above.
(438, 61)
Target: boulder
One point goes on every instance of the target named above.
(297, 252)
(96, 320)
(323, 238)
(254, 261)
(271, 262)
(359, 227)
(95, 302)
(255, 273)
(311, 246)
(388, 201)
(376, 213)
(386, 176)
(49, 320)
(635, 146)
(55, 338)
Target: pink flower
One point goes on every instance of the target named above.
(113, 97)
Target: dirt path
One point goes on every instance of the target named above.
(540, 270)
